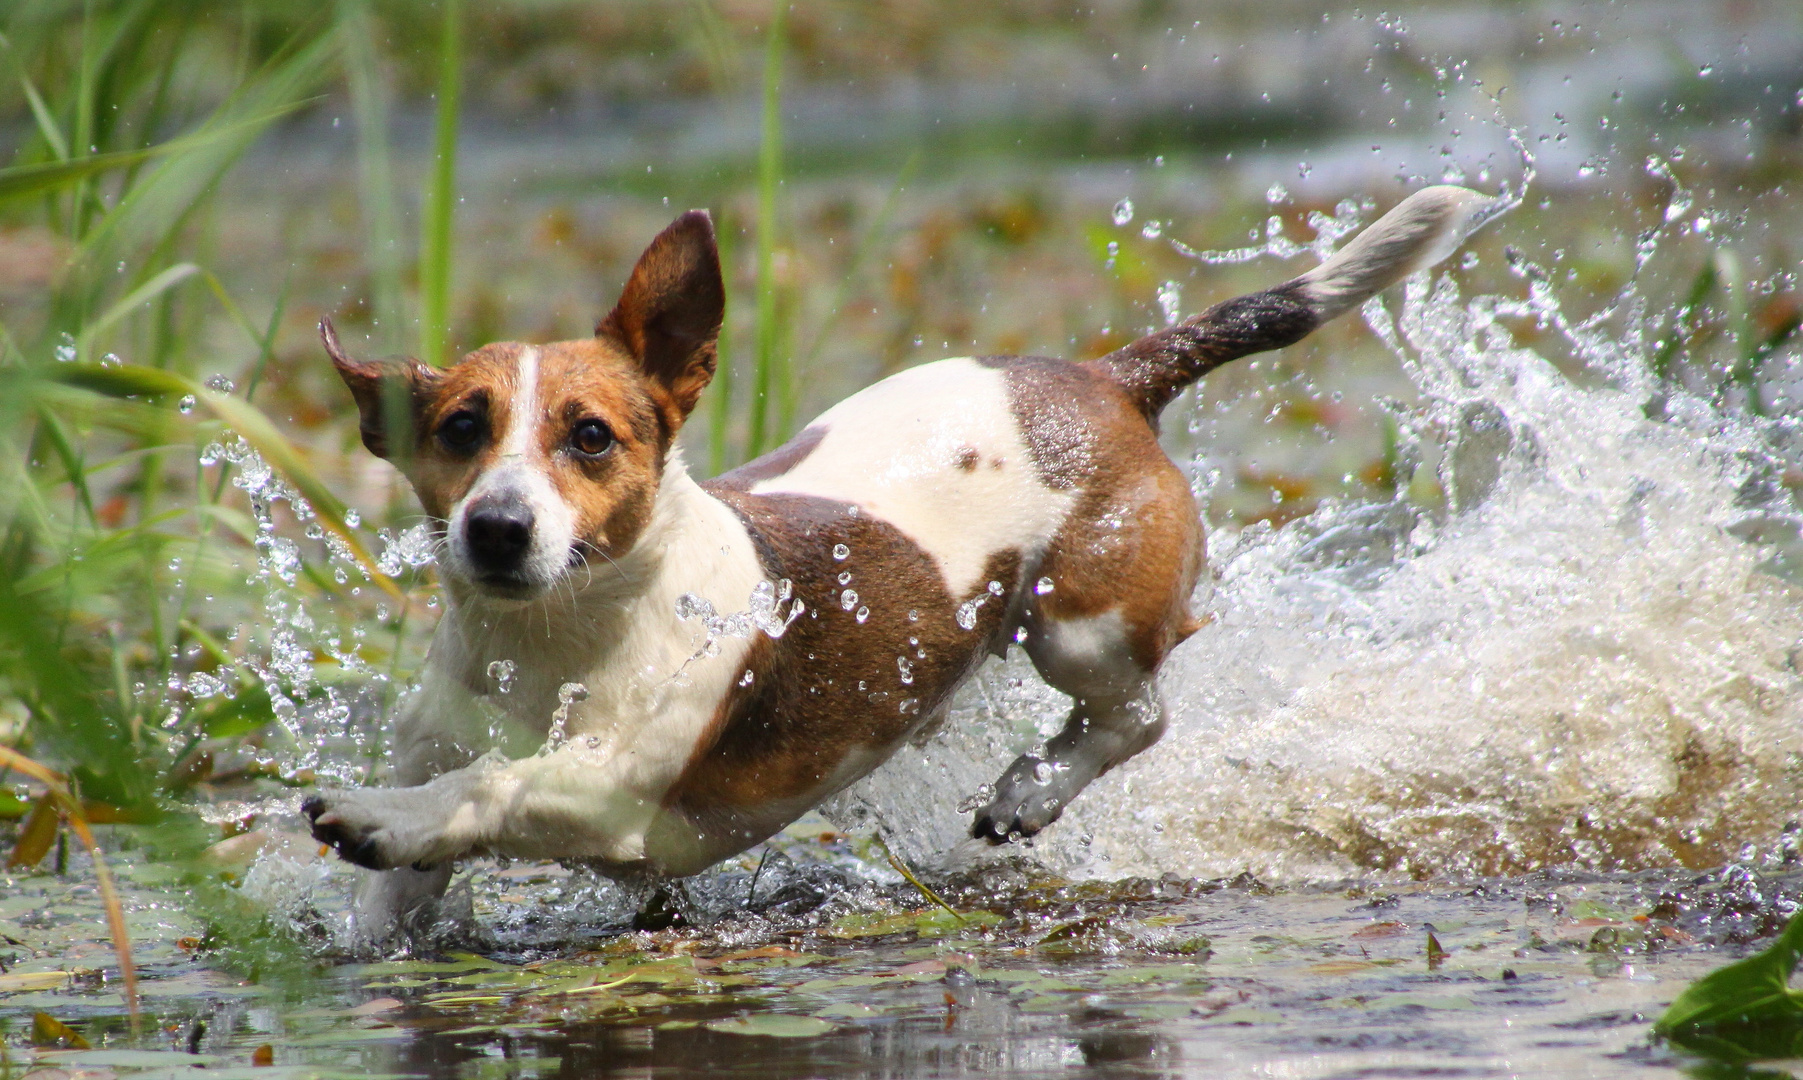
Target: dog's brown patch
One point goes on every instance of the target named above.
(613, 494)
(836, 689)
(1134, 540)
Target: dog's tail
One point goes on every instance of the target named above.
(1423, 229)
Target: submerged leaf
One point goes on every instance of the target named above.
(47, 1030)
(37, 836)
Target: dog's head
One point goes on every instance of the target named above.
(539, 458)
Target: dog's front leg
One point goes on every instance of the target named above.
(579, 801)
(441, 728)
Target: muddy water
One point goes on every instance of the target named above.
(834, 968)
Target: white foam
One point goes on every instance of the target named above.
(1581, 668)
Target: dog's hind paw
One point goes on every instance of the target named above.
(1026, 801)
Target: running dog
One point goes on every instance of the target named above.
(704, 662)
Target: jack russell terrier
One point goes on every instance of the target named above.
(866, 568)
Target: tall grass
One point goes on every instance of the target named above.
(382, 249)
(771, 376)
(441, 194)
(106, 521)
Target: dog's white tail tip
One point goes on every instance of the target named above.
(1422, 230)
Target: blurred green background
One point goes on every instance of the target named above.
(190, 186)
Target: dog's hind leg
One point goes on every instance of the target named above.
(1104, 729)
(1116, 587)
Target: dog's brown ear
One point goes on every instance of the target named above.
(668, 316)
(390, 395)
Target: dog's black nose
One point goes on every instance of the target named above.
(499, 534)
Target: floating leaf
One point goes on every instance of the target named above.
(20, 981)
(777, 1025)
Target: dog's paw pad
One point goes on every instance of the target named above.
(1023, 806)
(356, 843)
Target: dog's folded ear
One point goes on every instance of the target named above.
(390, 394)
(668, 316)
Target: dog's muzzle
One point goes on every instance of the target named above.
(498, 535)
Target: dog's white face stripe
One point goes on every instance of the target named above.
(523, 413)
(936, 452)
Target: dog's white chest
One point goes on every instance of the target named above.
(936, 452)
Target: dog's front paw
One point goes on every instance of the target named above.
(1027, 799)
(372, 828)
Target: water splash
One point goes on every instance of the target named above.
(1586, 658)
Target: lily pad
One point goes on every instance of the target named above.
(17, 982)
(776, 1025)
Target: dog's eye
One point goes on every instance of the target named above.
(591, 438)
(461, 431)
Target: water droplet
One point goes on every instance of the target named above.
(1470, 260)
(848, 599)
(980, 797)
(745, 679)
(1123, 211)
(1043, 773)
(65, 348)
(111, 360)
(220, 384)
(1705, 71)
(907, 670)
(913, 615)
(863, 614)
(501, 671)
(1276, 194)
(845, 577)
(690, 606)
(967, 614)
(1170, 301)
(1152, 230)
(841, 552)
(995, 588)
(1043, 586)
(352, 518)
(1020, 633)
(186, 404)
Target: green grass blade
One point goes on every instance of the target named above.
(879, 228)
(136, 381)
(766, 380)
(720, 409)
(158, 205)
(47, 127)
(65, 452)
(441, 196)
(144, 293)
(381, 220)
(25, 181)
